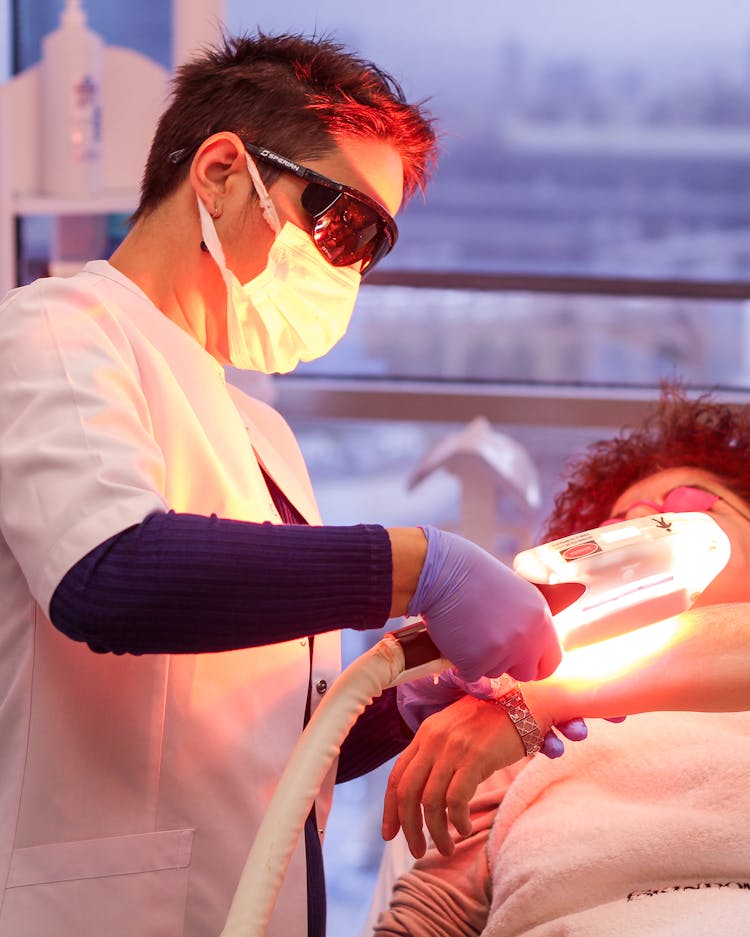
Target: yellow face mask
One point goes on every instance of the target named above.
(296, 310)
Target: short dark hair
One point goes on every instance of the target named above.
(289, 93)
(700, 433)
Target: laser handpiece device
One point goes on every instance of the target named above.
(620, 577)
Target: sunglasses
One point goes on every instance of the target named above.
(349, 226)
(683, 498)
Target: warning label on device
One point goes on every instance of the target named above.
(587, 548)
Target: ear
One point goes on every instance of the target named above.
(218, 158)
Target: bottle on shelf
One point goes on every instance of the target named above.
(70, 106)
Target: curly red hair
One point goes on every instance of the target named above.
(701, 433)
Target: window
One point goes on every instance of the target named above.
(577, 137)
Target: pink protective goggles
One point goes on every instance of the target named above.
(683, 498)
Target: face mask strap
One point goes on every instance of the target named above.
(266, 205)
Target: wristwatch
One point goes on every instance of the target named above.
(514, 704)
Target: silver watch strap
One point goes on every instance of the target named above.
(514, 704)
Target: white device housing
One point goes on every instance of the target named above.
(623, 576)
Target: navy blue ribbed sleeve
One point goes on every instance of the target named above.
(184, 583)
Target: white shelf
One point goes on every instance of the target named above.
(126, 133)
(101, 203)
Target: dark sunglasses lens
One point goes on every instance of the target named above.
(318, 198)
(346, 230)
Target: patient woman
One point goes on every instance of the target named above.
(644, 827)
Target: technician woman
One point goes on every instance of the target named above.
(154, 514)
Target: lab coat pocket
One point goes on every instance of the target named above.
(122, 886)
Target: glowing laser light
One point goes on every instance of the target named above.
(617, 656)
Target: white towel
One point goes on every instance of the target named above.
(642, 829)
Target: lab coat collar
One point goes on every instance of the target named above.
(272, 440)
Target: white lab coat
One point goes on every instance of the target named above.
(131, 786)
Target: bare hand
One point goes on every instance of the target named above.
(436, 776)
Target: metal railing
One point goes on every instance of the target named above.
(538, 403)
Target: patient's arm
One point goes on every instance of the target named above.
(699, 661)
(441, 897)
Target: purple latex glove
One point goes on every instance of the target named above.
(422, 697)
(482, 616)
(574, 730)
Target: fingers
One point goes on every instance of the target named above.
(402, 804)
(471, 674)
(523, 672)
(434, 779)
(423, 793)
(552, 746)
(434, 804)
(461, 789)
(573, 729)
(549, 660)
(482, 615)
(391, 823)
(537, 668)
(498, 670)
(446, 803)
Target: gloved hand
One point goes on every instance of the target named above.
(575, 730)
(424, 696)
(482, 616)
(421, 698)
